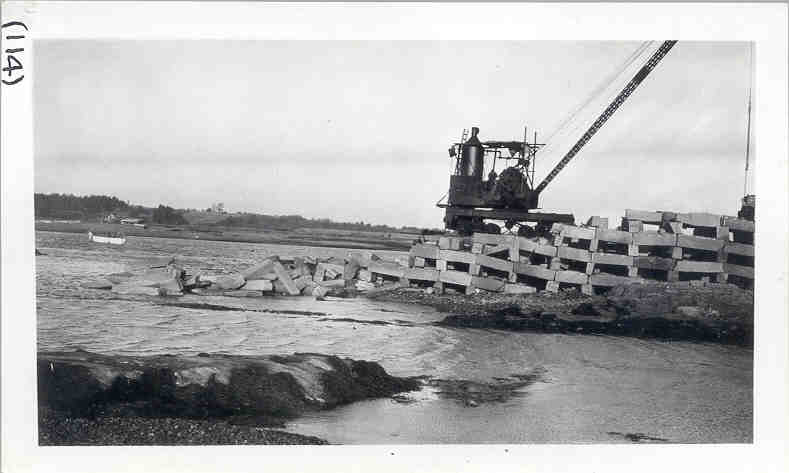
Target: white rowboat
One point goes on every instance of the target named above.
(112, 240)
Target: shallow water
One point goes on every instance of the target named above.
(590, 388)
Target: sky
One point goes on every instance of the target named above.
(359, 130)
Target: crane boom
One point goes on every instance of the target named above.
(618, 101)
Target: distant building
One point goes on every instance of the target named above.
(131, 221)
(111, 218)
(218, 207)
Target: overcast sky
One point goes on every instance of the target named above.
(358, 130)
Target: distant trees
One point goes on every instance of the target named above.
(72, 206)
(168, 216)
(291, 222)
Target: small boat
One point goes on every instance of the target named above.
(110, 238)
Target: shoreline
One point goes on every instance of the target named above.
(86, 398)
(712, 313)
(325, 239)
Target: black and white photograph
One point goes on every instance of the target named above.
(425, 240)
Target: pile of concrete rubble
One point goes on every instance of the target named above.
(287, 275)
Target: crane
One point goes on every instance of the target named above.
(511, 195)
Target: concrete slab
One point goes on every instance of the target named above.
(494, 263)
(739, 225)
(699, 219)
(457, 256)
(653, 218)
(699, 243)
(739, 249)
(535, 271)
(421, 274)
(284, 278)
(386, 268)
(654, 239)
(738, 270)
(455, 277)
(615, 236)
(574, 254)
(491, 239)
(424, 251)
(489, 284)
(572, 277)
(607, 258)
(258, 285)
(698, 267)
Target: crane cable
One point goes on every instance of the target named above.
(748, 127)
(597, 92)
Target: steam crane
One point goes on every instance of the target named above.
(510, 196)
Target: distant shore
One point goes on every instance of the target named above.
(300, 237)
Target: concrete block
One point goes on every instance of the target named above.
(421, 274)
(615, 236)
(233, 281)
(424, 251)
(546, 250)
(578, 233)
(676, 253)
(572, 277)
(587, 289)
(258, 285)
(285, 280)
(333, 284)
(473, 269)
(698, 267)
(489, 284)
(654, 239)
(653, 218)
(457, 256)
(491, 239)
(739, 225)
(514, 250)
(699, 219)
(722, 233)
(526, 245)
(256, 271)
(632, 250)
(365, 275)
(386, 268)
(419, 262)
(632, 226)
(443, 243)
(574, 254)
(519, 289)
(495, 250)
(607, 258)
(699, 243)
(738, 270)
(455, 277)
(632, 272)
(441, 265)
(739, 249)
(654, 262)
(535, 271)
(455, 243)
(494, 263)
(476, 248)
(610, 280)
(552, 286)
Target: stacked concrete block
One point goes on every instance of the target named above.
(592, 258)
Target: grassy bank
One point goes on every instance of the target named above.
(299, 237)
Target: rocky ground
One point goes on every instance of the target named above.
(91, 399)
(720, 313)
